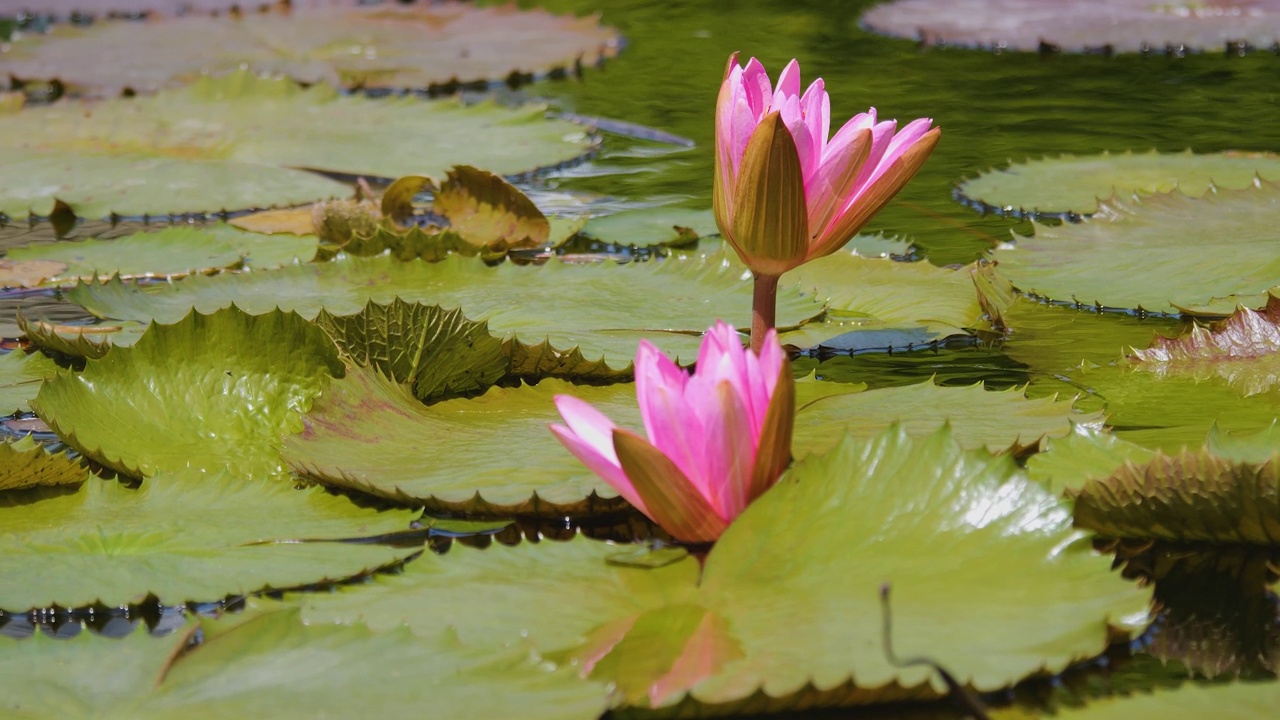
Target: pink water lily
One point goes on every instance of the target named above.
(717, 439)
(784, 192)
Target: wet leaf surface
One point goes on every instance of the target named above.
(1071, 185)
(243, 383)
(241, 142)
(1150, 254)
(189, 536)
(387, 46)
(1100, 25)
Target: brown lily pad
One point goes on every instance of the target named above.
(28, 273)
(387, 46)
(1244, 350)
(1103, 25)
(486, 211)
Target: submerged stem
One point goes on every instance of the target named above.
(764, 308)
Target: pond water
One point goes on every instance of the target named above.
(993, 108)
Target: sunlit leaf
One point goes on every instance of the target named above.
(787, 614)
(242, 383)
(389, 46)
(602, 309)
(670, 226)
(20, 376)
(487, 212)
(370, 434)
(1075, 185)
(1068, 462)
(1188, 497)
(1255, 447)
(190, 536)
(1116, 26)
(25, 464)
(242, 141)
(440, 353)
(88, 677)
(998, 420)
(273, 664)
(1149, 253)
(171, 251)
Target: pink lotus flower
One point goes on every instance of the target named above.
(717, 438)
(784, 193)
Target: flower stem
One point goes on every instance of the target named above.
(764, 308)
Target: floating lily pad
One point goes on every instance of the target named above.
(77, 341)
(25, 464)
(1255, 447)
(1068, 462)
(370, 434)
(1150, 253)
(242, 383)
(787, 611)
(998, 420)
(1244, 350)
(272, 665)
(21, 374)
(1188, 497)
(171, 251)
(604, 310)
(191, 536)
(28, 273)
(385, 46)
(1110, 26)
(669, 226)
(275, 665)
(1073, 186)
(239, 142)
(439, 353)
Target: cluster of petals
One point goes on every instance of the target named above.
(717, 438)
(785, 193)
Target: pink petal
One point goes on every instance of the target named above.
(816, 106)
(670, 424)
(590, 425)
(899, 145)
(793, 118)
(601, 461)
(759, 92)
(729, 452)
(788, 83)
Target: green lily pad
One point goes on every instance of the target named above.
(439, 353)
(1114, 26)
(77, 341)
(604, 310)
(997, 420)
(168, 252)
(275, 665)
(269, 664)
(389, 46)
(646, 227)
(1071, 185)
(1149, 253)
(242, 141)
(1188, 497)
(1254, 447)
(1243, 350)
(874, 292)
(25, 464)
(21, 374)
(786, 613)
(1240, 700)
(242, 383)
(370, 434)
(1068, 462)
(88, 677)
(193, 536)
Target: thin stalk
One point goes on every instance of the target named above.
(764, 308)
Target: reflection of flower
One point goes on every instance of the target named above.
(784, 193)
(717, 438)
